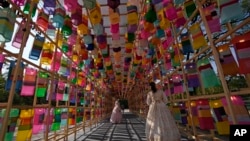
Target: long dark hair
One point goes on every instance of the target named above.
(153, 87)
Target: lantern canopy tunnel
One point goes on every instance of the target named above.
(64, 63)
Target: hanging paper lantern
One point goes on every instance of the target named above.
(95, 15)
(90, 47)
(198, 39)
(55, 65)
(186, 44)
(25, 118)
(2, 58)
(58, 18)
(178, 2)
(75, 57)
(160, 33)
(82, 28)
(242, 49)
(226, 13)
(7, 20)
(18, 38)
(39, 116)
(37, 47)
(49, 6)
(149, 27)
(51, 31)
(18, 2)
(89, 4)
(47, 53)
(114, 16)
(41, 88)
(116, 37)
(76, 16)
(67, 27)
(113, 4)
(11, 74)
(171, 12)
(101, 39)
(88, 39)
(70, 5)
(132, 28)
(72, 38)
(42, 20)
(98, 29)
(213, 19)
(193, 80)
(228, 64)
(26, 8)
(189, 7)
(114, 28)
(180, 21)
(132, 15)
(64, 66)
(208, 76)
(130, 37)
(150, 16)
(29, 82)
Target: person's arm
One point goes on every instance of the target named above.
(149, 98)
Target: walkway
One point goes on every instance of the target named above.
(132, 128)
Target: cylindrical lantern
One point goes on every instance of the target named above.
(58, 18)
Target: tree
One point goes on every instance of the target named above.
(18, 100)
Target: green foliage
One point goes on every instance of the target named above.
(245, 5)
(236, 82)
(17, 100)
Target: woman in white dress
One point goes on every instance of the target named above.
(116, 115)
(160, 124)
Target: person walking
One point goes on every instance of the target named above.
(160, 125)
(116, 115)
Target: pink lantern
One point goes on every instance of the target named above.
(171, 13)
(17, 41)
(2, 58)
(76, 16)
(213, 18)
(72, 38)
(116, 36)
(19, 2)
(70, 5)
(144, 34)
(55, 65)
(114, 28)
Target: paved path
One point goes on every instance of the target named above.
(132, 128)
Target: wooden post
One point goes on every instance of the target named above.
(217, 61)
(46, 135)
(15, 76)
(185, 83)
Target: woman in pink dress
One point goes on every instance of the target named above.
(116, 115)
(160, 125)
